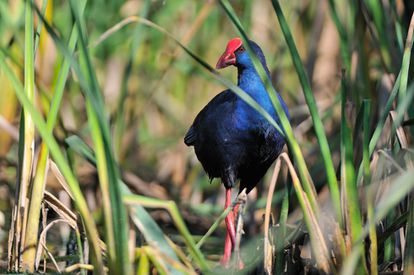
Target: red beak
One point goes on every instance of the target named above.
(228, 57)
(225, 60)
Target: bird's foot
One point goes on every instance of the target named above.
(226, 263)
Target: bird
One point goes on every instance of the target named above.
(231, 139)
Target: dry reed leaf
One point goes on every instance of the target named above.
(42, 239)
(179, 253)
(72, 268)
(402, 137)
(268, 247)
(64, 212)
(322, 254)
(391, 160)
(55, 170)
(152, 251)
(51, 257)
(241, 201)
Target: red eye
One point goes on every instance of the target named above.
(241, 49)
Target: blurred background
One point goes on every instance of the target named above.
(153, 90)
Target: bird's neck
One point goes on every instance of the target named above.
(250, 82)
(248, 76)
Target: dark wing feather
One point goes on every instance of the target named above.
(215, 104)
(190, 137)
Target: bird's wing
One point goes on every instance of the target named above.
(215, 105)
(190, 137)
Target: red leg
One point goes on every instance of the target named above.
(231, 229)
(231, 232)
(227, 251)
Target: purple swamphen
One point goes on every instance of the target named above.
(231, 139)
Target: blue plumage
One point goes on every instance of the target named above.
(231, 139)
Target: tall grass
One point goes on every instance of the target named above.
(108, 92)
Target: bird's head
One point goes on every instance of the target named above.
(235, 54)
